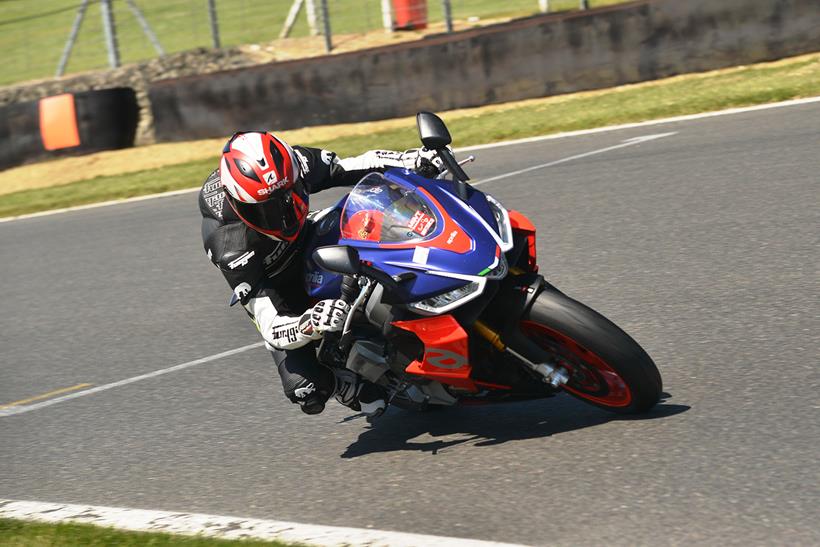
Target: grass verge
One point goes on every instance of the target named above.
(19, 533)
(742, 86)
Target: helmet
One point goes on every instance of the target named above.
(263, 184)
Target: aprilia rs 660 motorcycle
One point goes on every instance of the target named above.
(447, 303)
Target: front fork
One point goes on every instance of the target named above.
(550, 372)
(518, 299)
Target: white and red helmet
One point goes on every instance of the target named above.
(263, 184)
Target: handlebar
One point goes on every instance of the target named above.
(460, 178)
(452, 165)
(334, 343)
(350, 289)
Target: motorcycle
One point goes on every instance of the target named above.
(447, 305)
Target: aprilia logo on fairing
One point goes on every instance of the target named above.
(314, 278)
(442, 358)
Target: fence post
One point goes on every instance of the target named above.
(290, 20)
(310, 10)
(448, 15)
(584, 4)
(387, 15)
(146, 28)
(110, 33)
(212, 17)
(325, 24)
(544, 5)
(72, 38)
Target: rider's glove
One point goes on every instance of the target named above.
(328, 315)
(424, 162)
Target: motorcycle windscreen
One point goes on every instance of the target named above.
(382, 211)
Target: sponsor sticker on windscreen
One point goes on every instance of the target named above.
(421, 223)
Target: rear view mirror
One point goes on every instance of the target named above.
(338, 258)
(433, 132)
(434, 136)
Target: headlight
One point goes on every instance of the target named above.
(447, 301)
(502, 218)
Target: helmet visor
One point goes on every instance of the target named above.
(281, 215)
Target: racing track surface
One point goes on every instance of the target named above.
(703, 245)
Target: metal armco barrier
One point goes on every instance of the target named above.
(67, 124)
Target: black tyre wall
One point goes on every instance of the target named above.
(106, 120)
(19, 134)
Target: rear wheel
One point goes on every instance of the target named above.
(607, 367)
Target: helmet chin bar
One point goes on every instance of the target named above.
(273, 237)
(261, 231)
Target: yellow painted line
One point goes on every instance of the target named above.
(45, 395)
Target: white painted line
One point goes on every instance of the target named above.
(11, 411)
(648, 123)
(565, 135)
(226, 527)
(628, 142)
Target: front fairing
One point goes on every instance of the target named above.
(445, 242)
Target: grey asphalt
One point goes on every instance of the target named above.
(703, 245)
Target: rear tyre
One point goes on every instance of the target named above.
(607, 367)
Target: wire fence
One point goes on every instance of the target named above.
(51, 37)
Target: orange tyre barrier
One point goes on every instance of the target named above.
(58, 122)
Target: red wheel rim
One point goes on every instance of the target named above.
(591, 378)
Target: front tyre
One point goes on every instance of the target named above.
(607, 367)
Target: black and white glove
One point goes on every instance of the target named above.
(329, 315)
(424, 162)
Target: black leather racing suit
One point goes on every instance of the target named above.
(268, 275)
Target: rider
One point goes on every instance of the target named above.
(255, 226)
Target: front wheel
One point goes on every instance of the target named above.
(607, 367)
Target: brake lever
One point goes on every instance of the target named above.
(465, 161)
(366, 284)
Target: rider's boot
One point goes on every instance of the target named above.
(359, 394)
(305, 381)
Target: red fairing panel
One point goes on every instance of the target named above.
(446, 354)
(521, 223)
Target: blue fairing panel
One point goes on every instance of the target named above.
(459, 240)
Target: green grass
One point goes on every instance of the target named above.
(677, 96)
(34, 32)
(18, 533)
